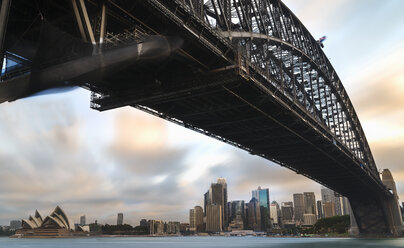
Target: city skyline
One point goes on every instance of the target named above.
(127, 161)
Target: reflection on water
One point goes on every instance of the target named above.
(200, 242)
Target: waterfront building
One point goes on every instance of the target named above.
(254, 215)
(196, 219)
(56, 224)
(156, 227)
(262, 195)
(82, 220)
(119, 219)
(173, 227)
(214, 218)
(298, 207)
(320, 211)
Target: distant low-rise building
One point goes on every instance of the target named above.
(15, 224)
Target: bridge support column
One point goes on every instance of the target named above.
(375, 217)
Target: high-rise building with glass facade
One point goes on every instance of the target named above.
(262, 195)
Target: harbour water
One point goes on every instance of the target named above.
(200, 242)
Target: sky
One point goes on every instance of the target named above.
(55, 150)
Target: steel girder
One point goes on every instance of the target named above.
(275, 41)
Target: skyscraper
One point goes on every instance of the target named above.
(275, 214)
(310, 213)
(214, 218)
(298, 207)
(206, 201)
(287, 211)
(309, 203)
(82, 220)
(218, 195)
(254, 215)
(262, 195)
(192, 226)
(223, 182)
(119, 220)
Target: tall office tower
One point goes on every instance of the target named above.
(328, 195)
(192, 226)
(254, 215)
(274, 213)
(223, 182)
(329, 209)
(198, 218)
(218, 196)
(82, 220)
(206, 201)
(309, 200)
(298, 207)
(214, 218)
(345, 207)
(320, 212)
(287, 211)
(262, 195)
(387, 179)
(310, 213)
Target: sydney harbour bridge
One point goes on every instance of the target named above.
(246, 72)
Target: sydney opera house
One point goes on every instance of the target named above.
(56, 225)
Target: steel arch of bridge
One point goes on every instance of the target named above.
(278, 44)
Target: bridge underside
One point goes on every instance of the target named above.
(207, 86)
